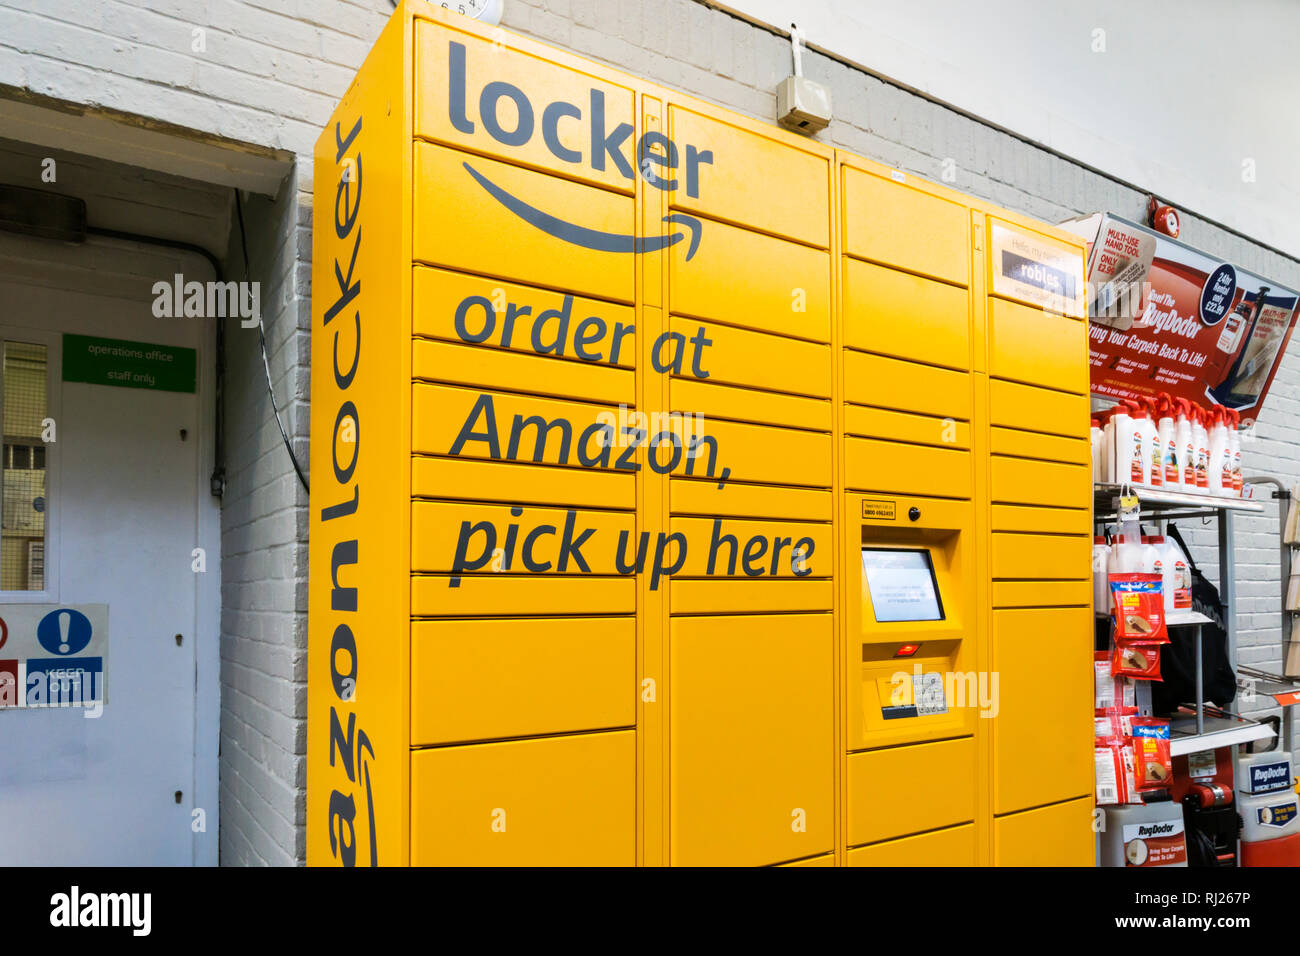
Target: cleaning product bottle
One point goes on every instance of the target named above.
(1100, 578)
(1234, 444)
(1151, 558)
(1185, 438)
(1141, 470)
(1168, 569)
(1155, 461)
(1126, 449)
(1125, 555)
(1096, 442)
(1202, 442)
(1168, 457)
(1220, 460)
(1182, 576)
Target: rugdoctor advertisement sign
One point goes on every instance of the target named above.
(1197, 328)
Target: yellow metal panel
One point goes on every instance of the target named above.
(953, 847)
(760, 549)
(1041, 593)
(357, 662)
(1059, 835)
(1032, 346)
(827, 860)
(485, 594)
(691, 395)
(762, 453)
(446, 191)
(441, 413)
(1038, 409)
(495, 314)
(752, 752)
(437, 528)
(521, 484)
(753, 359)
(750, 595)
(479, 680)
(1042, 739)
(792, 182)
(1041, 556)
(906, 386)
(455, 88)
(690, 496)
(495, 368)
(1026, 481)
(905, 316)
(938, 778)
(559, 801)
(1043, 520)
(904, 426)
(906, 469)
(901, 226)
(1005, 441)
(754, 281)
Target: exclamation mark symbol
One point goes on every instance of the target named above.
(65, 623)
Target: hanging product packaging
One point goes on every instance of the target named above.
(1116, 783)
(1139, 661)
(1139, 608)
(1113, 722)
(1111, 691)
(1152, 765)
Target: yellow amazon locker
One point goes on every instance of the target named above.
(684, 491)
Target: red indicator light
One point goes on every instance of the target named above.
(907, 650)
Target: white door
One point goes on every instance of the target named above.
(126, 505)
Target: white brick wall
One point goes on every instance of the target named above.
(272, 70)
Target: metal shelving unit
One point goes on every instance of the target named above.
(1198, 730)
(1283, 688)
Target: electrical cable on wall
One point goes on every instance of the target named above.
(261, 336)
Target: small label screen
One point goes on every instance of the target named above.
(902, 585)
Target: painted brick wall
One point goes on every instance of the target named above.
(268, 74)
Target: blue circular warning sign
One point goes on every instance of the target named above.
(1217, 294)
(65, 631)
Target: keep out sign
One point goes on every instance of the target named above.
(53, 655)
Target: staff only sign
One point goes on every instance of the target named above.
(1202, 329)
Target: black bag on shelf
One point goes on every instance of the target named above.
(1178, 660)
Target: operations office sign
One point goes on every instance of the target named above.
(126, 364)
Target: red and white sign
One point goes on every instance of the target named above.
(1200, 328)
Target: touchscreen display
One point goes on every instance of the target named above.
(902, 585)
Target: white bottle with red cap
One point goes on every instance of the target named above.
(1234, 451)
(1169, 571)
(1184, 438)
(1148, 439)
(1156, 475)
(1202, 441)
(1127, 447)
(1219, 471)
(1095, 436)
(1100, 575)
(1168, 446)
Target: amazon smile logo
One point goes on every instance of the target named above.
(576, 137)
(591, 238)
